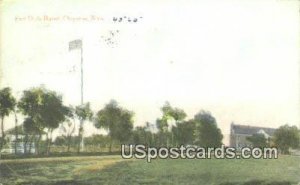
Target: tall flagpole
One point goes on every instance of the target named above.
(81, 66)
(77, 44)
(81, 85)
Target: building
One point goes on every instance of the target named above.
(239, 134)
(25, 142)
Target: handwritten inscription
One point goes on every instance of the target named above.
(127, 19)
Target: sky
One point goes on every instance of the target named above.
(237, 59)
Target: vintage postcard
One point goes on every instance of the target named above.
(149, 92)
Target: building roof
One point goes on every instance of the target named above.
(250, 130)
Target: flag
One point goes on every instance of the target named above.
(75, 44)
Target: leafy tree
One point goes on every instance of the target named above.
(16, 129)
(257, 140)
(68, 128)
(167, 111)
(178, 115)
(30, 105)
(84, 113)
(44, 109)
(97, 141)
(161, 125)
(207, 134)
(170, 113)
(60, 141)
(117, 120)
(162, 135)
(141, 135)
(53, 112)
(184, 132)
(286, 137)
(30, 130)
(7, 105)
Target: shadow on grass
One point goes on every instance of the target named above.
(63, 182)
(121, 173)
(258, 182)
(253, 182)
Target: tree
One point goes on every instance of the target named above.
(30, 105)
(53, 112)
(68, 128)
(141, 135)
(162, 135)
(257, 140)
(184, 132)
(207, 134)
(60, 141)
(97, 141)
(84, 113)
(30, 130)
(117, 120)
(161, 125)
(286, 137)
(178, 115)
(169, 114)
(16, 128)
(45, 110)
(7, 105)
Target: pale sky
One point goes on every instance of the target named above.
(237, 59)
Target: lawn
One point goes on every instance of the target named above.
(114, 170)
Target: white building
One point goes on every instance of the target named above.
(239, 134)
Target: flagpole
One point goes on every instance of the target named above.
(77, 44)
(81, 85)
(81, 66)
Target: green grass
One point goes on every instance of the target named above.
(114, 170)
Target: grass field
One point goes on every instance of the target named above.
(114, 170)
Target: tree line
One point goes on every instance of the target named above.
(44, 112)
(284, 138)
